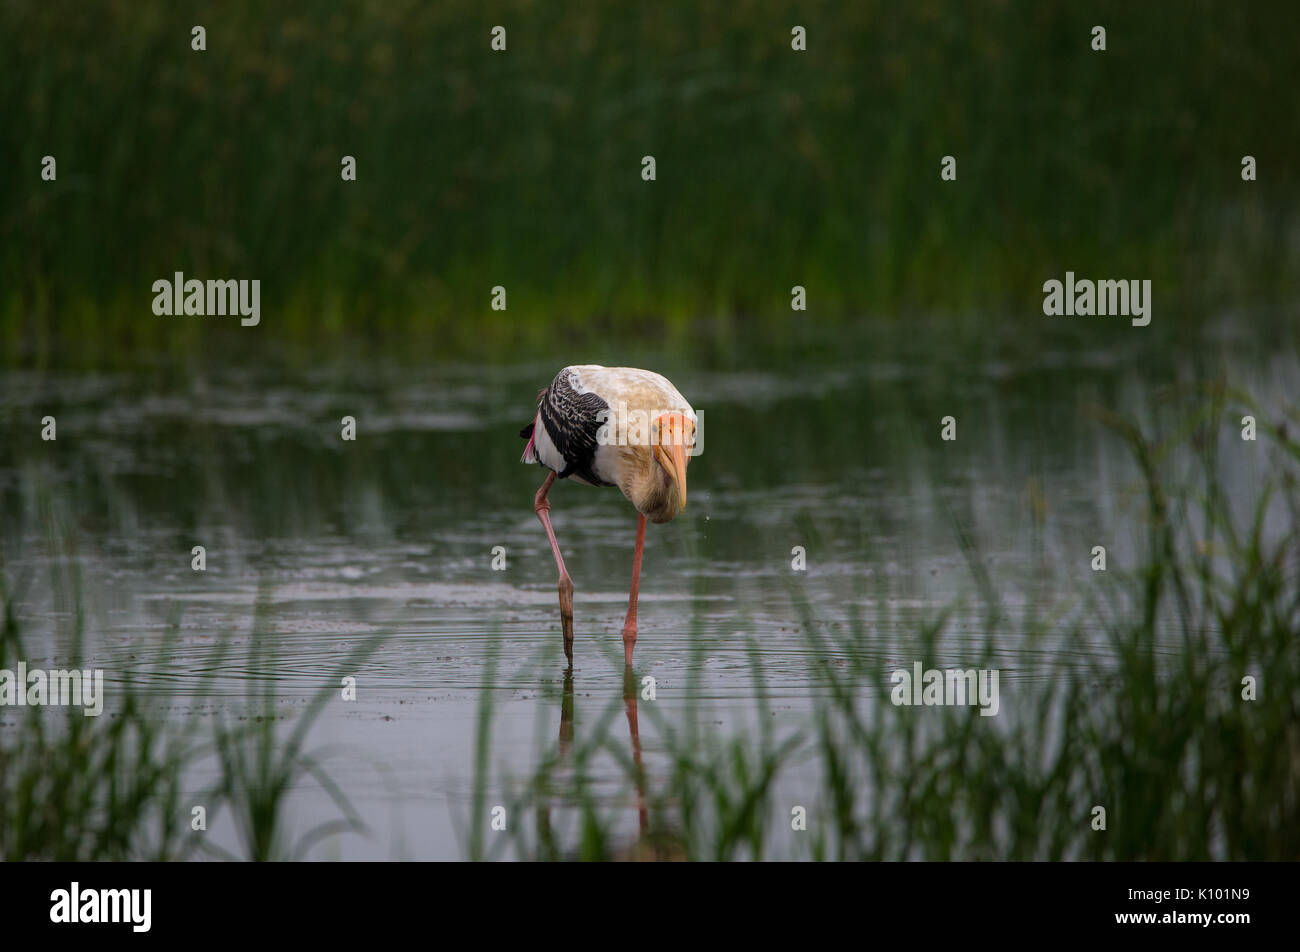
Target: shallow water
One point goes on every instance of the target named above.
(392, 537)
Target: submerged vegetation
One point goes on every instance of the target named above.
(1186, 732)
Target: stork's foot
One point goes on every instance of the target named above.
(629, 640)
(566, 615)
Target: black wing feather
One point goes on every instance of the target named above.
(572, 421)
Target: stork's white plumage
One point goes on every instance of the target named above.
(612, 426)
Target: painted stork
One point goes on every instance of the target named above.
(612, 426)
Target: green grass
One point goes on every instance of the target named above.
(775, 168)
(121, 786)
(79, 788)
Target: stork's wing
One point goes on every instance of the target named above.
(571, 421)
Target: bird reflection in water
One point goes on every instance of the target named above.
(660, 845)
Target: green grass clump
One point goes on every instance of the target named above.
(121, 785)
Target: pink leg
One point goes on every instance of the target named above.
(629, 626)
(542, 505)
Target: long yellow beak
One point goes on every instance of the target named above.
(679, 471)
(673, 458)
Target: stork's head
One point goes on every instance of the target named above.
(652, 467)
(672, 437)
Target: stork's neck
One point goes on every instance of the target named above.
(646, 485)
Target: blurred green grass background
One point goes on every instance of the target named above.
(522, 168)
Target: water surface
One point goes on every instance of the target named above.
(391, 537)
